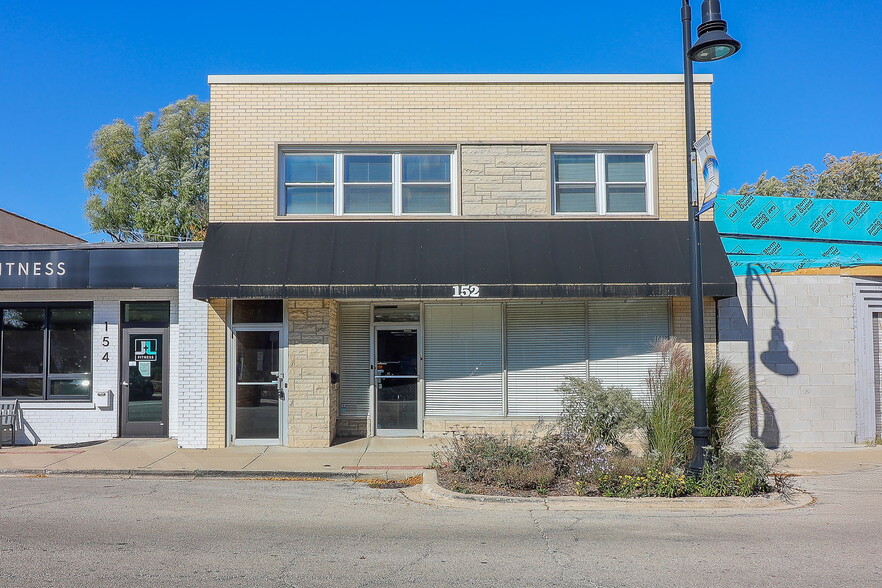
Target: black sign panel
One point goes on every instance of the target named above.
(42, 269)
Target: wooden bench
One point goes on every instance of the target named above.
(8, 414)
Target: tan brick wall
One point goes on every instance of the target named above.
(217, 380)
(249, 120)
(440, 427)
(312, 353)
(352, 427)
(681, 324)
(505, 180)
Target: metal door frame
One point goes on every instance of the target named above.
(231, 384)
(124, 430)
(390, 326)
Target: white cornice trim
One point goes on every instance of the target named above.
(458, 79)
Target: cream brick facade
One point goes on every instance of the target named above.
(503, 130)
(251, 116)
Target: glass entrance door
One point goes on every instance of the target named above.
(259, 387)
(144, 388)
(396, 381)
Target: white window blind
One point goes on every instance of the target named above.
(463, 359)
(546, 343)
(355, 360)
(621, 335)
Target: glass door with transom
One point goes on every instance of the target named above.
(259, 386)
(397, 380)
(144, 389)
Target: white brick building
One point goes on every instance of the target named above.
(73, 319)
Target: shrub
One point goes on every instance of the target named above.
(670, 414)
(537, 474)
(743, 472)
(567, 450)
(601, 414)
(510, 461)
(479, 456)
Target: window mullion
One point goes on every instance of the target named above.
(338, 184)
(46, 343)
(454, 187)
(600, 186)
(396, 185)
(647, 177)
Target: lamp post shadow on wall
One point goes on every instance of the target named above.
(713, 44)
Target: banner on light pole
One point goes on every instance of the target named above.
(710, 170)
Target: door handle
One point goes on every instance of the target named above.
(281, 388)
(124, 383)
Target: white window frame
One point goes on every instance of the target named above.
(397, 180)
(600, 181)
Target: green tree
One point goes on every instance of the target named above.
(150, 183)
(854, 177)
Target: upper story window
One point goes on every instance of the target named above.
(414, 182)
(602, 182)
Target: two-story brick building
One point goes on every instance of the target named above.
(408, 254)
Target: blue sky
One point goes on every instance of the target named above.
(807, 82)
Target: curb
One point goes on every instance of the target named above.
(430, 492)
(178, 474)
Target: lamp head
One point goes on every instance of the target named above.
(713, 42)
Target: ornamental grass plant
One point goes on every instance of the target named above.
(669, 417)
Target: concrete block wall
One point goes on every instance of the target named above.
(192, 406)
(77, 421)
(505, 180)
(312, 356)
(250, 119)
(794, 335)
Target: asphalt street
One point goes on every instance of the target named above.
(65, 531)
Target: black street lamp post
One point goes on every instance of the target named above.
(713, 43)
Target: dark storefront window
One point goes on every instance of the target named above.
(46, 352)
(258, 311)
(146, 314)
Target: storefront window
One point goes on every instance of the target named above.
(46, 352)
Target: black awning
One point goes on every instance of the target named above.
(426, 259)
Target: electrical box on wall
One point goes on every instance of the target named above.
(102, 398)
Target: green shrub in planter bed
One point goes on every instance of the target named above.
(599, 413)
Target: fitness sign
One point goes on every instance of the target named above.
(40, 269)
(98, 267)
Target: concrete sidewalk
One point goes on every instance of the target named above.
(371, 457)
(376, 457)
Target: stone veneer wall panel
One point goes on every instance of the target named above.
(312, 356)
(505, 180)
